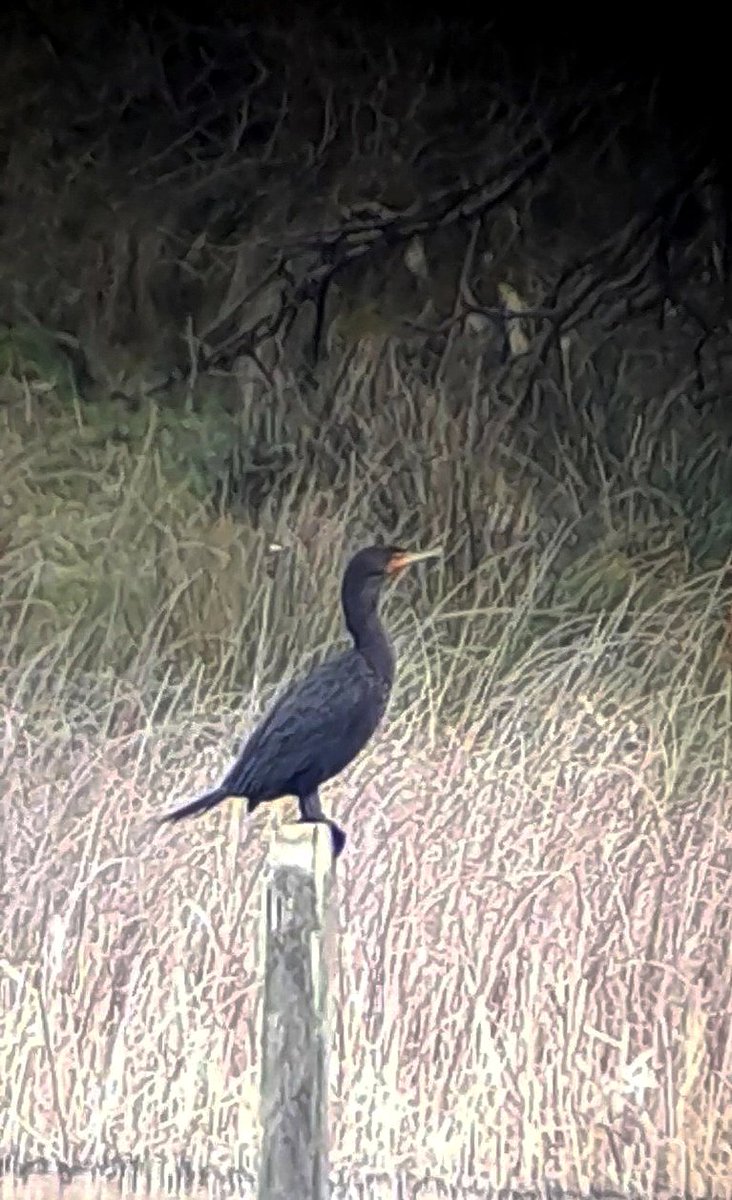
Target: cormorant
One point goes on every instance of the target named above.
(319, 725)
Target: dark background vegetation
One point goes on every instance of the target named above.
(124, 142)
(196, 206)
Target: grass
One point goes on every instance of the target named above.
(533, 979)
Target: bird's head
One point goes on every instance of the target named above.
(384, 562)
(363, 579)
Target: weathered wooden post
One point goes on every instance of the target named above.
(297, 929)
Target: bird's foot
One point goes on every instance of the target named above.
(337, 836)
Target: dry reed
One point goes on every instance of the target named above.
(534, 972)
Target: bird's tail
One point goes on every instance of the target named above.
(195, 807)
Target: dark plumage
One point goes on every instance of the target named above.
(320, 724)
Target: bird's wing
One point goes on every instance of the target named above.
(312, 716)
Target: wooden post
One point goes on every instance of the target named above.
(297, 929)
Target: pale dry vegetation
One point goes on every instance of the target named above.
(533, 979)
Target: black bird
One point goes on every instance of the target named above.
(320, 724)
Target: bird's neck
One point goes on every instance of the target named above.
(372, 642)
